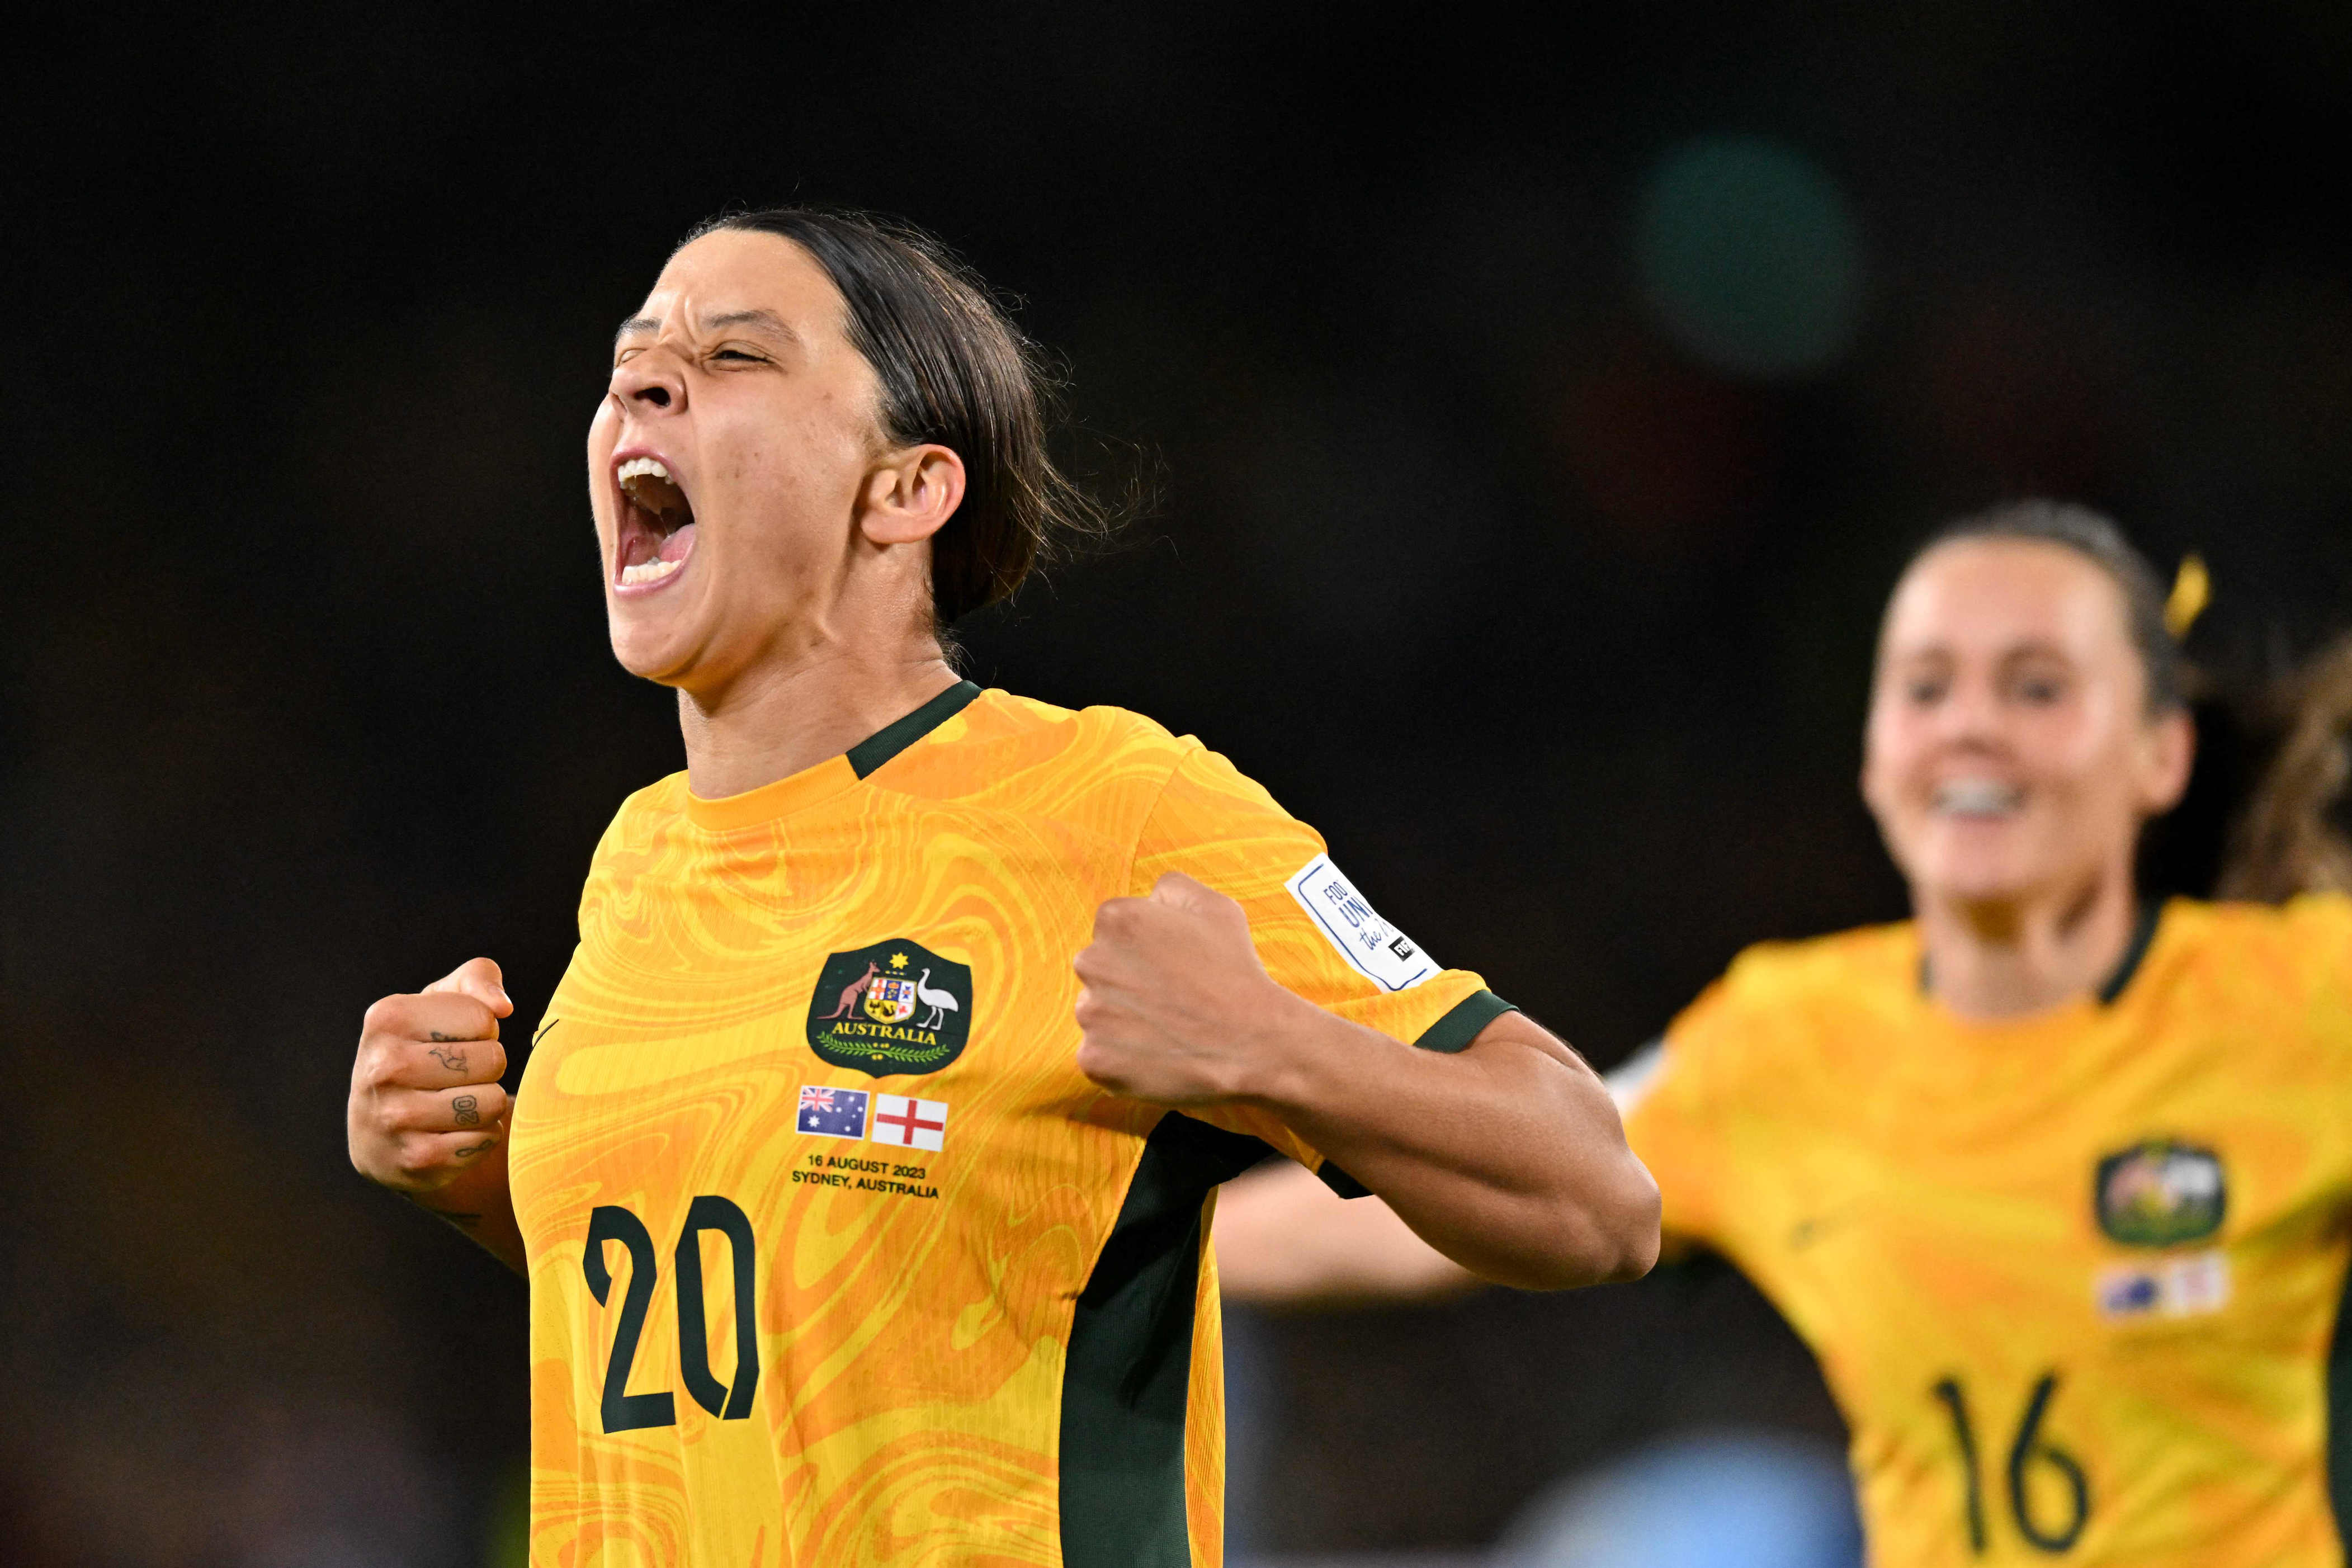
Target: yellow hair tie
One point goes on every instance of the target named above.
(2192, 590)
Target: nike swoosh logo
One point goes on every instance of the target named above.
(1806, 1232)
(542, 1030)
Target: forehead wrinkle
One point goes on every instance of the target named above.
(767, 320)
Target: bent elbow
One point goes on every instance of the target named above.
(1636, 1231)
(1610, 1239)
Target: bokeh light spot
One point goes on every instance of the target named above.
(1751, 256)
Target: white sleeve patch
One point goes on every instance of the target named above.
(1373, 948)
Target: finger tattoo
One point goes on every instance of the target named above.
(438, 1035)
(455, 1060)
(468, 1110)
(469, 1153)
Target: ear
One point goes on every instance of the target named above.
(911, 494)
(2168, 754)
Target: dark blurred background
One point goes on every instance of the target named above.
(1542, 407)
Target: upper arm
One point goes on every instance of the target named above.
(1317, 936)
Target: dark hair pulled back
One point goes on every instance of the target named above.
(2096, 538)
(955, 371)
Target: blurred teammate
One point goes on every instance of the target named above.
(2054, 1183)
(858, 1224)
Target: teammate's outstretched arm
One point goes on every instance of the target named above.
(1284, 1239)
(1508, 1157)
(427, 1116)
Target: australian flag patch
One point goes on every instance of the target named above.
(833, 1112)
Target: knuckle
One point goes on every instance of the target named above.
(383, 1070)
(384, 1015)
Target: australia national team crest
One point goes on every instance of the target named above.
(893, 1007)
(2161, 1193)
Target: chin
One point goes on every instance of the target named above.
(647, 655)
(1971, 876)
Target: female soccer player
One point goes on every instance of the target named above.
(2056, 1185)
(862, 1225)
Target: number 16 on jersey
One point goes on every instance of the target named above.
(2030, 1454)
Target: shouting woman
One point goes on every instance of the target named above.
(862, 1169)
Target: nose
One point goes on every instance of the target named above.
(649, 382)
(1971, 714)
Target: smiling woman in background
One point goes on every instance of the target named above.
(2054, 1182)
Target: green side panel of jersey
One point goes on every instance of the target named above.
(1128, 1379)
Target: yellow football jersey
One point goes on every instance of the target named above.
(2073, 1278)
(835, 1258)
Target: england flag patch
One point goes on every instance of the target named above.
(834, 1112)
(909, 1123)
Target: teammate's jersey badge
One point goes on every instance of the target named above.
(2161, 1193)
(893, 1008)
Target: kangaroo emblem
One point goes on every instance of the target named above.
(851, 993)
(941, 1003)
(911, 1011)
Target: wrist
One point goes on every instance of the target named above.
(1290, 1051)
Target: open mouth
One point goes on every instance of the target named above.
(657, 532)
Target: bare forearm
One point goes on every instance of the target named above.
(478, 1202)
(1508, 1157)
(1284, 1239)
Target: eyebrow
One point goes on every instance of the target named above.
(765, 319)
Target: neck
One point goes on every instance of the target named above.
(2008, 958)
(790, 713)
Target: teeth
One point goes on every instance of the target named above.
(645, 467)
(649, 572)
(1978, 797)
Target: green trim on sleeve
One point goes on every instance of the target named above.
(1339, 1181)
(1452, 1033)
(894, 738)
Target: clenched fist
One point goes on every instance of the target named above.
(426, 1103)
(1176, 1007)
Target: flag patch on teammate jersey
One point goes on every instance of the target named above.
(893, 1008)
(833, 1112)
(1373, 948)
(909, 1123)
(2181, 1288)
(2159, 1192)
